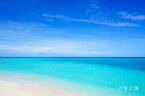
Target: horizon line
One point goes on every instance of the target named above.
(75, 57)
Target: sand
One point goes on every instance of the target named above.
(13, 89)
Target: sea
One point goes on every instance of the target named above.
(85, 76)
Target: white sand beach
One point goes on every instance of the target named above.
(19, 87)
(13, 89)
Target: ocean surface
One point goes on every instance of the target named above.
(86, 76)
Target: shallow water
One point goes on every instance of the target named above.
(98, 76)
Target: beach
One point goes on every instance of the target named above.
(15, 89)
(18, 86)
(11, 85)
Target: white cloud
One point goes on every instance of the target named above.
(18, 31)
(56, 16)
(25, 48)
(29, 39)
(118, 24)
(131, 16)
(24, 40)
(55, 47)
(92, 8)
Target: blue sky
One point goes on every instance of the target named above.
(68, 28)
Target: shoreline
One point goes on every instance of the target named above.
(25, 88)
(16, 86)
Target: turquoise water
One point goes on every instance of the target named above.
(116, 76)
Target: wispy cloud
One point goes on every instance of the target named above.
(92, 8)
(131, 16)
(24, 40)
(119, 24)
(93, 21)
(25, 48)
(11, 31)
(55, 47)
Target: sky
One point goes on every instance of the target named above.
(72, 28)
